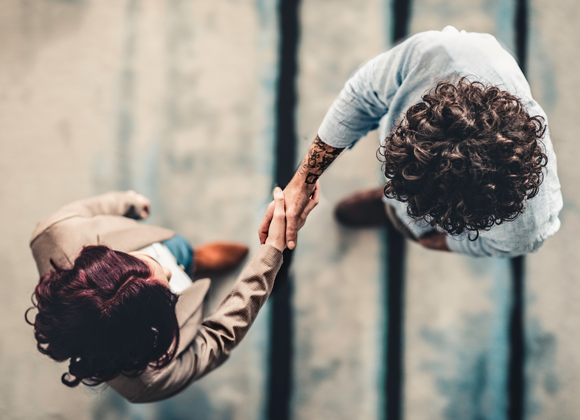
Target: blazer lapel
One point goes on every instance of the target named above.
(189, 311)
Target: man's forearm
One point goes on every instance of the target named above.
(319, 157)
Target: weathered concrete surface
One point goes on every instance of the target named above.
(553, 274)
(457, 307)
(494, 17)
(456, 342)
(173, 99)
(56, 94)
(338, 273)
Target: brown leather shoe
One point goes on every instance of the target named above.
(362, 209)
(217, 258)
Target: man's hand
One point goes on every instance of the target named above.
(435, 240)
(265, 228)
(297, 199)
(299, 192)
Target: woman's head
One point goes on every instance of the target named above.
(465, 158)
(111, 313)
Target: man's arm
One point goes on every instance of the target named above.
(357, 110)
(319, 157)
(302, 186)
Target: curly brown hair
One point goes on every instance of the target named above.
(465, 158)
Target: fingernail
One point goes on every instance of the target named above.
(291, 244)
(277, 190)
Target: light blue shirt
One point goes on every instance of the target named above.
(382, 90)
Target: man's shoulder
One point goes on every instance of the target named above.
(451, 39)
(450, 48)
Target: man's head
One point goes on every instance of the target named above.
(465, 158)
(111, 313)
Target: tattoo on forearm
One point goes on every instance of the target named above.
(311, 179)
(317, 160)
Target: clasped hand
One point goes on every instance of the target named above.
(286, 215)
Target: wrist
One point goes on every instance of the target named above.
(302, 182)
(275, 244)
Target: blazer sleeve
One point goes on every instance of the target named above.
(219, 333)
(116, 203)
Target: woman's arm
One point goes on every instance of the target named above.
(216, 337)
(116, 203)
(226, 327)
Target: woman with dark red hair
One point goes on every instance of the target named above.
(114, 299)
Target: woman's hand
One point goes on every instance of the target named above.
(142, 206)
(277, 231)
(312, 202)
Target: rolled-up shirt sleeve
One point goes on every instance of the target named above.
(366, 96)
(357, 110)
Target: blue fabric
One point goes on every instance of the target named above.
(383, 89)
(181, 250)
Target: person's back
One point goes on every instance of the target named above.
(390, 89)
(431, 57)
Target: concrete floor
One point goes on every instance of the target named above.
(175, 99)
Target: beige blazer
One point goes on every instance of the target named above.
(204, 344)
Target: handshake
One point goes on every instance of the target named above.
(286, 215)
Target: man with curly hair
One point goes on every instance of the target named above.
(467, 155)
